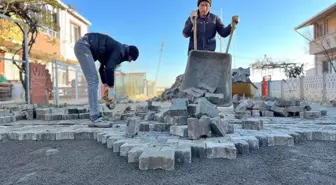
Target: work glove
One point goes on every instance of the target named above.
(235, 20)
(109, 95)
(193, 14)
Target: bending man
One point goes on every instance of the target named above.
(110, 53)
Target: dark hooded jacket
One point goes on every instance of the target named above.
(109, 52)
(206, 32)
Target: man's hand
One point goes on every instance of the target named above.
(109, 94)
(193, 15)
(235, 20)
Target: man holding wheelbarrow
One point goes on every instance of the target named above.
(207, 26)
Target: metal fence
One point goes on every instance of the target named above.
(70, 85)
(319, 88)
(11, 89)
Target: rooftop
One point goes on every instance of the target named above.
(323, 13)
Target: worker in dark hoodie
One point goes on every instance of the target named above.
(208, 25)
(110, 53)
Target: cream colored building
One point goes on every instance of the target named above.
(323, 44)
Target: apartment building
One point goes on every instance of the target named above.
(323, 43)
(49, 43)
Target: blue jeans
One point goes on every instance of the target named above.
(84, 56)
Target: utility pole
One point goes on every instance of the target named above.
(158, 66)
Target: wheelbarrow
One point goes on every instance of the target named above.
(210, 68)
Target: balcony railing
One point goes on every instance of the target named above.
(49, 32)
(322, 44)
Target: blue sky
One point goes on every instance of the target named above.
(266, 27)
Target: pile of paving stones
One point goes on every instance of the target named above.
(241, 75)
(193, 94)
(273, 108)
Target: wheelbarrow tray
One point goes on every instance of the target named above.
(212, 69)
(244, 89)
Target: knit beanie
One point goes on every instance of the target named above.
(133, 52)
(199, 2)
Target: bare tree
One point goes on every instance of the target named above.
(35, 15)
(292, 70)
(324, 44)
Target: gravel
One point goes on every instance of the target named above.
(88, 162)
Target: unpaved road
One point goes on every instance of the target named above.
(88, 162)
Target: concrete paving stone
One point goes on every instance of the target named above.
(276, 139)
(242, 146)
(267, 113)
(144, 127)
(198, 149)
(160, 127)
(193, 93)
(310, 114)
(199, 127)
(65, 135)
(173, 141)
(141, 108)
(126, 147)
(179, 130)
(219, 126)
(324, 112)
(255, 113)
(205, 107)
(84, 116)
(262, 137)
(113, 139)
(83, 135)
(253, 124)
(116, 145)
(183, 154)
(280, 111)
(179, 107)
(230, 129)
(221, 150)
(305, 134)
(157, 160)
(251, 140)
(240, 114)
(324, 135)
(134, 153)
(235, 121)
(161, 115)
(132, 127)
(217, 99)
(192, 109)
(177, 120)
(150, 116)
(297, 137)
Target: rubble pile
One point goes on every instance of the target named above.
(193, 94)
(241, 75)
(238, 75)
(193, 121)
(273, 108)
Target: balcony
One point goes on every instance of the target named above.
(327, 42)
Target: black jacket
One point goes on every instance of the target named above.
(108, 52)
(206, 32)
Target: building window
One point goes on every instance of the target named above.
(75, 33)
(321, 29)
(328, 67)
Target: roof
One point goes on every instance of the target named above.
(312, 20)
(75, 13)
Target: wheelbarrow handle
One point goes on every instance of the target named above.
(233, 27)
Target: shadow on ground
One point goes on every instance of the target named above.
(88, 162)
